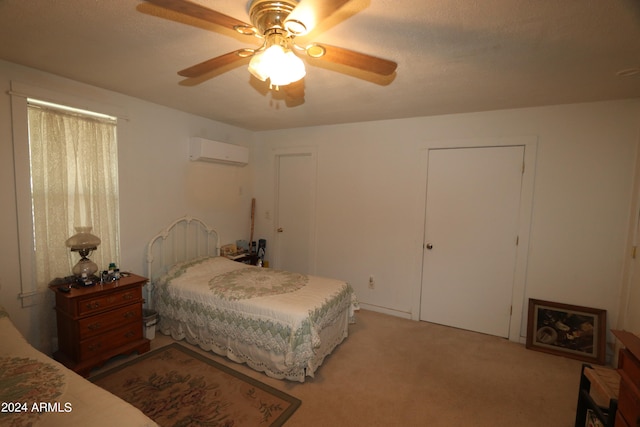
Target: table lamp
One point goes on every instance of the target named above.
(84, 243)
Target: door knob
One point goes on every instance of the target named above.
(280, 230)
(429, 246)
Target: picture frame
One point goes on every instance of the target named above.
(592, 419)
(567, 330)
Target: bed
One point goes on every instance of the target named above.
(37, 390)
(278, 322)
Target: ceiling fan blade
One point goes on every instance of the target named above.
(361, 61)
(197, 11)
(214, 63)
(308, 13)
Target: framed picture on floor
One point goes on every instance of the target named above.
(567, 330)
(592, 419)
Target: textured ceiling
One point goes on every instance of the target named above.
(453, 56)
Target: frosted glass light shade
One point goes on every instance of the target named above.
(83, 240)
(280, 66)
(85, 267)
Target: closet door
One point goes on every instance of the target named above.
(295, 212)
(471, 226)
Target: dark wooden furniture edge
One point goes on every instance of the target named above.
(629, 340)
(84, 368)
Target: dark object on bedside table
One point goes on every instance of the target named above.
(247, 258)
(99, 322)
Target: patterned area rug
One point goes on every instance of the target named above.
(176, 386)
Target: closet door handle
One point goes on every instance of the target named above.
(280, 230)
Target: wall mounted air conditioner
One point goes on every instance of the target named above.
(205, 150)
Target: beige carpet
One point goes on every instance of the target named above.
(397, 372)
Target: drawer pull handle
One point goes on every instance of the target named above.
(127, 296)
(94, 326)
(129, 314)
(93, 305)
(129, 334)
(94, 347)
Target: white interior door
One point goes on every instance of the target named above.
(295, 212)
(471, 225)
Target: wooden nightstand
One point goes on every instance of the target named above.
(96, 323)
(629, 368)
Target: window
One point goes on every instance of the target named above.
(74, 182)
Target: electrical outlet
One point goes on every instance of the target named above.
(372, 282)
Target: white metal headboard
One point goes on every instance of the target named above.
(185, 239)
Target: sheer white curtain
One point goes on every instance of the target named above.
(74, 182)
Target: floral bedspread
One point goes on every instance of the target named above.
(247, 283)
(36, 390)
(277, 311)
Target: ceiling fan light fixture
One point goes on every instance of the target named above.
(245, 53)
(280, 66)
(295, 27)
(315, 50)
(277, 23)
(246, 30)
(290, 70)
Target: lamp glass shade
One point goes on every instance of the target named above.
(85, 267)
(83, 240)
(280, 66)
(291, 69)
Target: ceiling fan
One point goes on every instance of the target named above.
(277, 23)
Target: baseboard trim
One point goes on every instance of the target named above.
(386, 310)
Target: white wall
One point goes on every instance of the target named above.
(370, 193)
(158, 183)
(371, 199)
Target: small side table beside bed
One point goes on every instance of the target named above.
(98, 322)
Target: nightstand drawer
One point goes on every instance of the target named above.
(629, 401)
(104, 302)
(620, 422)
(100, 323)
(110, 340)
(630, 366)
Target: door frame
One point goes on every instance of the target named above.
(517, 326)
(631, 269)
(289, 152)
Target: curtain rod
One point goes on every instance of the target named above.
(45, 100)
